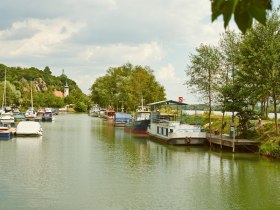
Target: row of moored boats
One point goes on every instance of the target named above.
(13, 122)
(148, 121)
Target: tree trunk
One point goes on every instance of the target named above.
(210, 104)
(266, 109)
(275, 112)
(262, 109)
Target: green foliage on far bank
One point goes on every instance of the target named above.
(125, 86)
(43, 83)
(270, 142)
(262, 131)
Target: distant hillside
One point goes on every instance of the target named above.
(43, 84)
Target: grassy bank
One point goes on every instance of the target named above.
(263, 132)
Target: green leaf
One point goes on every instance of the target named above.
(257, 9)
(227, 10)
(216, 8)
(242, 17)
(258, 13)
(244, 11)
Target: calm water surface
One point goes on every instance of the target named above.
(83, 163)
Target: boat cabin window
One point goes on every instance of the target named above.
(165, 131)
(143, 116)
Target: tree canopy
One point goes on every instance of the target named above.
(125, 86)
(249, 71)
(43, 84)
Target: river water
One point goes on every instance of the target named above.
(83, 163)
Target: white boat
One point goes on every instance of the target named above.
(7, 118)
(31, 114)
(167, 130)
(48, 115)
(6, 112)
(94, 110)
(109, 115)
(101, 112)
(6, 132)
(63, 109)
(29, 128)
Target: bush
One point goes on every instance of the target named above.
(80, 107)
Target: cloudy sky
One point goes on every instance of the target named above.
(86, 37)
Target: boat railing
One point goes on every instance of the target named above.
(188, 130)
(167, 122)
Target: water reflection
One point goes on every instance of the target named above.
(32, 142)
(82, 162)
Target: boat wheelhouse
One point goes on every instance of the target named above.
(140, 122)
(170, 128)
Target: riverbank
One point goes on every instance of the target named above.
(262, 131)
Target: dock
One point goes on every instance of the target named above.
(227, 141)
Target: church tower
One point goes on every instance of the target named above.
(66, 87)
(66, 90)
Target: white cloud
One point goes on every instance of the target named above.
(120, 53)
(36, 37)
(87, 37)
(166, 73)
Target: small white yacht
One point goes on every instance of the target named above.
(7, 118)
(30, 114)
(29, 128)
(94, 110)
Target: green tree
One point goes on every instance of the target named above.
(229, 49)
(47, 71)
(260, 56)
(142, 84)
(80, 107)
(202, 73)
(126, 85)
(12, 94)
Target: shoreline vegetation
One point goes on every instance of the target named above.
(259, 130)
(240, 74)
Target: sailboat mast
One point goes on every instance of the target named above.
(31, 95)
(5, 86)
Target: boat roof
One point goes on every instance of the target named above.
(122, 115)
(167, 102)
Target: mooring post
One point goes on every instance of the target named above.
(221, 141)
(233, 136)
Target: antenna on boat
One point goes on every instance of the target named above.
(31, 95)
(122, 105)
(142, 103)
